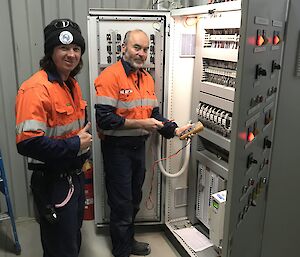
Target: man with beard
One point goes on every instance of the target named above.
(126, 113)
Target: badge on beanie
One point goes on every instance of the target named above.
(65, 37)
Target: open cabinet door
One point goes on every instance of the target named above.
(254, 120)
(106, 31)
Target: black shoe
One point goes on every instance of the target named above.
(140, 248)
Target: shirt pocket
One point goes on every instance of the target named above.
(63, 113)
(126, 99)
(62, 109)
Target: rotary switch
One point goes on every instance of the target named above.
(275, 66)
(260, 71)
(267, 143)
(251, 160)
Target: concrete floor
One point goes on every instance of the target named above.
(95, 243)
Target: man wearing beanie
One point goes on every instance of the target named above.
(52, 132)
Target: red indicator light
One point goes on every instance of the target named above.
(276, 40)
(243, 135)
(250, 137)
(260, 40)
(252, 40)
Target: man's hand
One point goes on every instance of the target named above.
(85, 137)
(151, 124)
(189, 130)
(179, 130)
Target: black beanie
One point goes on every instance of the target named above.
(62, 32)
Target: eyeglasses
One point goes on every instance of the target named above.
(65, 23)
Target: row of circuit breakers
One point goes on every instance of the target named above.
(114, 46)
(215, 118)
(219, 72)
(222, 38)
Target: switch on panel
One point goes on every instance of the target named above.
(118, 49)
(275, 66)
(119, 37)
(271, 91)
(152, 59)
(256, 100)
(152, 38)
(268, 117)
(264, 163)
(109, 59)
(251, 160)
(261, 38)
(260, 71)
(109, 49)
(250, 135)
(276, 38)
(108, 38)
(252, 132)
(267, 143)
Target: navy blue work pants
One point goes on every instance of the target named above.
(63, 237)
(124, 167)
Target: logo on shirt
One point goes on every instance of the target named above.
(125, 91)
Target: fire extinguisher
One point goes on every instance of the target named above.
(88, 191)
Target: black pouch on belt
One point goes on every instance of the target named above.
(39, 187)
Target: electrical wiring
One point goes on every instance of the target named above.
(190, 21)
(149, 201)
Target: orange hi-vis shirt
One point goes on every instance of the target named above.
(132, 97)
(45, 108)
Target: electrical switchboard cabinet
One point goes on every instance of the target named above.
(219, 64)
(106, 29)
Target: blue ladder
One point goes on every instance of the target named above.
(9, 214)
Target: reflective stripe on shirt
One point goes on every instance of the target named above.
(33, 125)
(125, 104)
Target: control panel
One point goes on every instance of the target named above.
(253, 122)
(235, 97)
(213, 101)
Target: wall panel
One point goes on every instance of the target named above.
(50, 10)
(35, 31)
(109, 3)
(65, 9)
